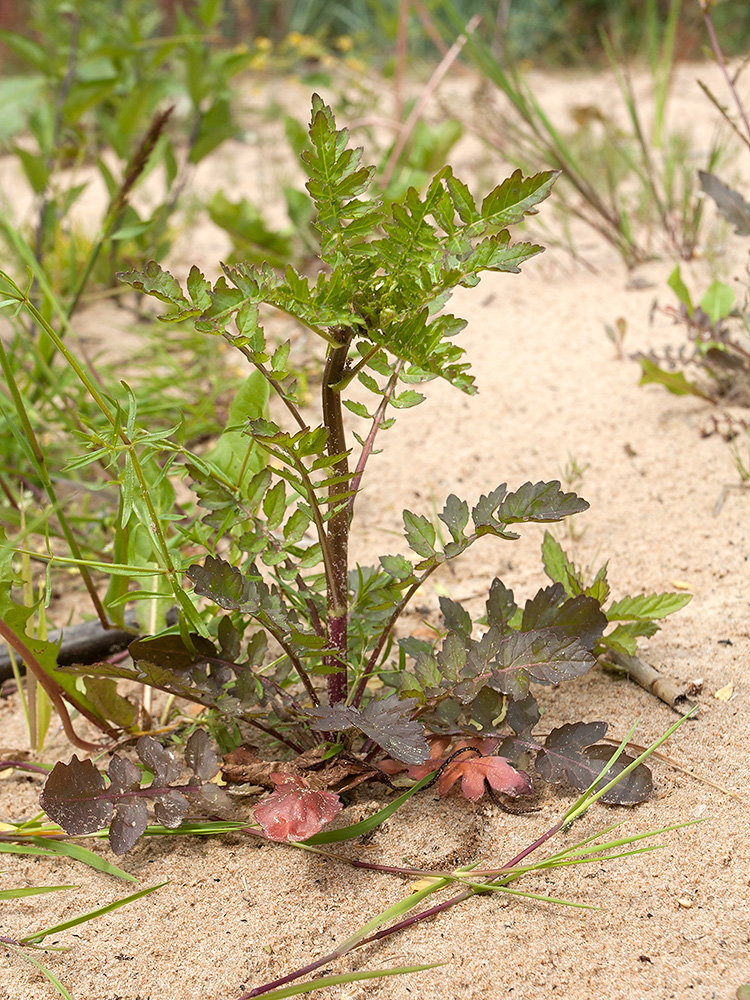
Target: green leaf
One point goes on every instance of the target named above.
(516, 197)
(420, 534)
(539, 502)
(92, 915)
(647, 606)
(274, 505)
(717, 301)
(674, 382)
(397, 566)
(346, 977)
(679, 287)
(558, 567)
(33, 890)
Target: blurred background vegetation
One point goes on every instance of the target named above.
(549, 32)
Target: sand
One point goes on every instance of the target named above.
(674, 923)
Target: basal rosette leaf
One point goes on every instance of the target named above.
(160, 761)
(129, 823)
(73, 797)
(295, 811)
(571, 753)
(200, 756)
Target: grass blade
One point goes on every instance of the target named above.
(84, 855)
(33, 890)
(92, 915)
(358, 829)
(47, 973)
(347, 977)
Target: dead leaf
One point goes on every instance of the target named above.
(339, 773)
(680, 585)
(725, 693)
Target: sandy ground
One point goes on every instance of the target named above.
(671, 924)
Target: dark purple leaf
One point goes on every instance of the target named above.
(71, 797)
(124, 776)
(200, 756)
(500, 605)
(523, 715)
(570, 754)
(169, 652)
(159, 760)
(457, 619)
(580, 617)
(131, 819)
(170, 809)
(537, 656)
(386, 722)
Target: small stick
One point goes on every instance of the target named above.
(650, 679)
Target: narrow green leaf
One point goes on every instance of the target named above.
(365, 825)
(82, 854)
(346, 977)
(92, 915)
(679, 287)
(34, 890)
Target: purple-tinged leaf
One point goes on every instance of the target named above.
(500, 605)
(158, 760)
(539, 502)
(124, 776)
(570, 754)
(131, 819)
(215, 796)
(457, 619)
(386, 722)
(455, 516)
(169, 653)
(578, 617)
(539, 656)
(523, 715)
(200, 756)
(224, 584)
(71, 797)
(170, 809)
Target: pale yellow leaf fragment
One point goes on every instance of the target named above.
(726, 692)
(680, 585)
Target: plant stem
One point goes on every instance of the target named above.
(722, 64)
(338, 521)
(50, 688)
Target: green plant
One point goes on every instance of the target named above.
(622, 180)
(105, 79)
(301, 634)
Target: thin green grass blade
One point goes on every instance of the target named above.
(84, 855)
(358, 829)
(347, 977)
(47, 973)
(33, 890)
(92, 915)
(589, 797)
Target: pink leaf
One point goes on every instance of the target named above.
(295, 811)
(438, 746)
(474, 771)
